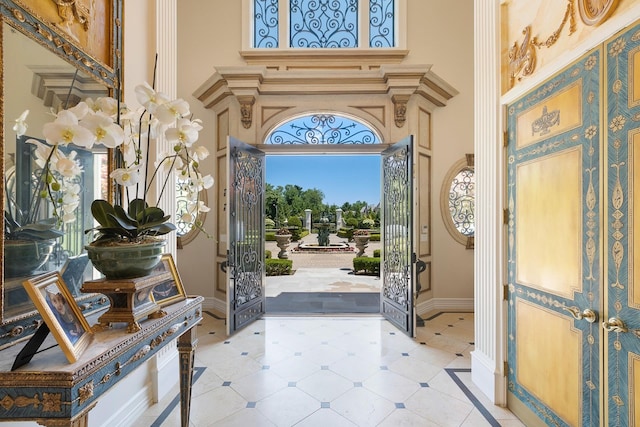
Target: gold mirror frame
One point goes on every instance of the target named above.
(466, 163)
(89, 40)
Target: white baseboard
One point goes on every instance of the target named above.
(215, 304)
(487, 378)
(445, 304)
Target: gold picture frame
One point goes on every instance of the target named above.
(60, 312)
(169, 291)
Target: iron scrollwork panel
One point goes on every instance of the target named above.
(397, 303)
(246, 251)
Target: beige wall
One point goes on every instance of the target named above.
(210, 35)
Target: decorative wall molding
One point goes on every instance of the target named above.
(522, 57)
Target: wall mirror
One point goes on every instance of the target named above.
(50, 62)
(457, 201)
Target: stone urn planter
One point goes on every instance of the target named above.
(283, 239)
(361, 237)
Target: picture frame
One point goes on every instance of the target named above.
(61, 314)
(169, 291)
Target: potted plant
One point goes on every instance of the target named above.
(32, 227)
(132, 226)
(136, 229)
(283, 239)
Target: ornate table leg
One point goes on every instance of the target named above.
(187, 343)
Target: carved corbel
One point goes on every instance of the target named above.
(246, 110)
(400, 109)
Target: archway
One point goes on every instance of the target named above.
(323, 277)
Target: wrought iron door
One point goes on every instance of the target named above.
(245, 267)
(397, 231)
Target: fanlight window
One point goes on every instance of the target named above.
(323, 23)
(319, 129)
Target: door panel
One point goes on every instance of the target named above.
(246, 270)
(553, 198)
(622, 121)
(397, 232)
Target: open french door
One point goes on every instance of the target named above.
(397, 274)
(245, 262)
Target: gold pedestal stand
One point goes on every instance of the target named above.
(130, 299)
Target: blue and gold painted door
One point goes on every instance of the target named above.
(622, 283)
(554, 255)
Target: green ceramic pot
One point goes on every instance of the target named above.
(126, 261)
(24, 257)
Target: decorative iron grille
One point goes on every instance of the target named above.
(397, 223)
(182, 227)
(381, 23)
(265, 23)
(462, 201)
(323, 23)
(318, 129)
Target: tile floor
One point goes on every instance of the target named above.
(334, 371)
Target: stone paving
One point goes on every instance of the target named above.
(321, 272)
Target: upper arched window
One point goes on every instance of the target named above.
(324, 24)
(323, 128)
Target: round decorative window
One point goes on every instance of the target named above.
(457, 201)
(186, 231)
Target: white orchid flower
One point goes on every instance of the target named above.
(205, 182)
(126, 176)
(199, 153)
(184, 133)
(42, 152)
(68, 217)
(104, 130)
(149, 98)
(65, 130)
(21, 126)
(80, 110)
(106, 105)
(170, 111)
(198, 207)
(67, 166)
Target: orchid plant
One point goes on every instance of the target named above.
(105, 121)
(130, 133)
(57, 183)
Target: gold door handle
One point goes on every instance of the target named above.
(586, 314)
(614, 325)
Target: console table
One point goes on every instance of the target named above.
(53, 392)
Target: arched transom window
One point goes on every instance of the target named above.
(323, 128)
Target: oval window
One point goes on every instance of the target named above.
(457, 201)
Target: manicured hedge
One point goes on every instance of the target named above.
(366, 265)
(278, 267)
(376, 253)
(267, 253)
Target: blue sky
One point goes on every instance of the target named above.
(340, 178)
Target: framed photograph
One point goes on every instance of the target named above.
(169, 291)
(60, 312)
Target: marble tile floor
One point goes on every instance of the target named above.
(333, 371)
